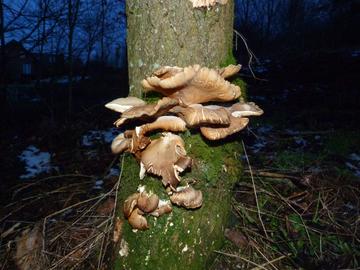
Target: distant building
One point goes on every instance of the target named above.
(22, 65)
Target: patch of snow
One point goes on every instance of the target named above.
(186, 248)
(124, 248)
(98, 184)
(255, 148)
(291, 131)
(354, 157)
(300, 141)
(141, 188)
(260, 69)
(260, 98)
(355, 53)
(113, 172)
(103, 136)
(36, 162)
(264, 129)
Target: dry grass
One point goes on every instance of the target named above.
(67, 227)
(285, 221)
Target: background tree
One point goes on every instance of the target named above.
(174, 33)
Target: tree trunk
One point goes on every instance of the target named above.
(173, 33)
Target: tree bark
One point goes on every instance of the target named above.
(173, 33)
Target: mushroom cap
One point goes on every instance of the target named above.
(123, 104)
(242, 109)
(187, 197)
(229, 71)
(161, 210)
(217, 133)
(129, 141)
(137, 221)
(193, 85)
(165, 123)
(161, 155)
(120, 144)
(147, 110)
(130, 203)
(147, 203)
(197, 114)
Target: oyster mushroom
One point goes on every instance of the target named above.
(147, 110)
(124, 104)
(197, 114)
(130, 142)
(217, 133)
(164, 123)
(242, 109)
(229, 71)
(193, 84)
(187, 197)
(147, 203)
(137, 221)
(165, 157)
(120, 144)
(130, 204)
(161, 210)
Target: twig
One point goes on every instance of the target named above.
(255, 194)
(240, 257)
(272, 261)
(251, 54)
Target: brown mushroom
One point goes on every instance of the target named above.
(123, 104)
(147, 110)
(193, 85)
(147, 203)
(160, 157)
(130, 142)
(164, 123)
(187, 197)
(137, 221)
(163, 208)
(120, 144)
(130, 204)
(196, 114)
(229, 71)
(217, 133)
(242, 109)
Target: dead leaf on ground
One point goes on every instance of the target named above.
(236, 237)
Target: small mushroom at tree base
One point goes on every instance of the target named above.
(187, 197)
(161, 210)
(130, 204)
(147, 203)
(138, 221)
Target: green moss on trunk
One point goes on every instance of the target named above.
(184, 239)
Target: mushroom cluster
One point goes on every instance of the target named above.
(194, 97)
(141, 203)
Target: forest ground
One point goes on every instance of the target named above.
(296, 206)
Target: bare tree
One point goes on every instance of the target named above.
(72, 18)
